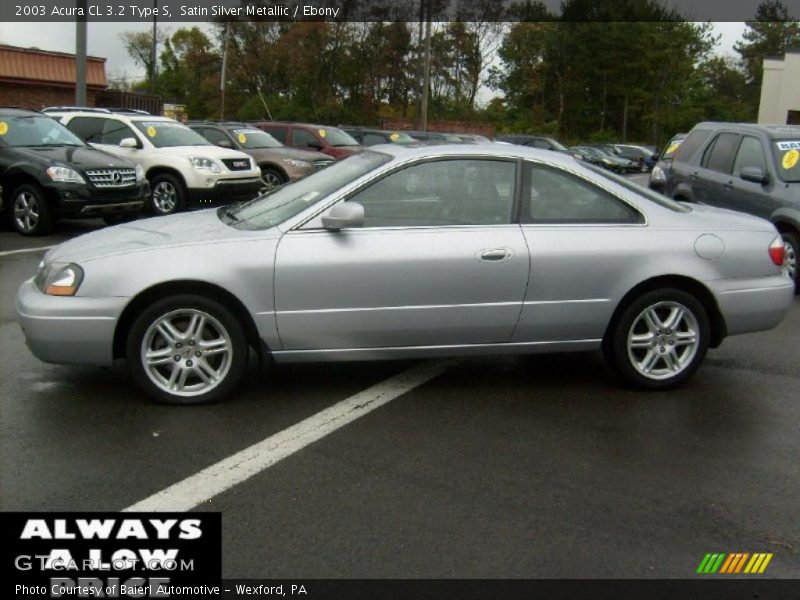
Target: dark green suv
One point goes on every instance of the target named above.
(744, 167)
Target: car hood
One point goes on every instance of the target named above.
(81, 157)
(286, 152)
(190, 229)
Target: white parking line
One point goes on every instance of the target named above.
(213, 480)
(25, 250)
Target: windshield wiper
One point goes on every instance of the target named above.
(227, 212)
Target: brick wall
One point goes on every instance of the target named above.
(39, 96)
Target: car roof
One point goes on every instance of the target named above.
(773, 131)
(482, 149)
(17, 111)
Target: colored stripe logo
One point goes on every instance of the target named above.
(734, 563)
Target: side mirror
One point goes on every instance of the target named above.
(342, 215)
(754, 174)
(225, 144)
(128, 142)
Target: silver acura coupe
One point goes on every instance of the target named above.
(403, 252)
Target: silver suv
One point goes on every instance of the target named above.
(744, 167)
(184, 169)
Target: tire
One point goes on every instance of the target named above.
(31, 213)
(167, 195)
(187, 369)
(651, 353)
(792, 252)
(272, 178)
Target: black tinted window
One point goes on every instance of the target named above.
(89, 129)
(279, 133)
(445, 192)
(114, 132)
(719, 154)
(215, 136)
(302, 138)
(553, 196)
(750, 154)
(691, 144)
(370, 139)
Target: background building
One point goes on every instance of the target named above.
(780, 90)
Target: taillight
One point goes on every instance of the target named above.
(777, 250)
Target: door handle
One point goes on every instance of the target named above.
(496, 254)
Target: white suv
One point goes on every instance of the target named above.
(183, 168)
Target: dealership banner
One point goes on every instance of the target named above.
(111, 555)
(166, 11)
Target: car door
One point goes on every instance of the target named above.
(438, 262)
(577, 233)
(713, 178)
(749, 196)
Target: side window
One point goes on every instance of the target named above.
(691, 144)
(445, 192)
(370, 139)
(750, 154)
(214, 135)
(89, 129)
(539, 144)
(719, 153)
(279, 133)
(553, 196)
(302, 138)
(115, 131)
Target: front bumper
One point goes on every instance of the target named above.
(757, 304)
(68, 330)
(225, 191)
(73, 200)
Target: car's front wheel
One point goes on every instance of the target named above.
(187, 349)
(271, 178)
(30, 211)
(660, 339)
(791, 245)
(167, 194)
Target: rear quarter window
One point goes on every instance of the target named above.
(691, 144)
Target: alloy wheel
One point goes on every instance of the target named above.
(270, 179)
(26, 211)
(165, 197)
(663, 340)
(790, 260)
(186, 352)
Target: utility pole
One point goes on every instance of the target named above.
(80, 55)
(153, 51)
(426, 80)
(420, 67)
(222, 74)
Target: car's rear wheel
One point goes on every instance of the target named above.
(271, 178)
(167, 194)
(791, 244)
(187, 349)
(660, 339)
(31, 214)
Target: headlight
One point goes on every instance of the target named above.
(301, 164)
(65, 175)
(657, 174)
(59, 279)
(139, 174)
(205, 164)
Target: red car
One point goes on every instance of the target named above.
(306, 136)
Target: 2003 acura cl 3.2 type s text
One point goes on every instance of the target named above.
(411, 252)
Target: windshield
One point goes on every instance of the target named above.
(164, 134)
(672, 147)
(401, 138)
(290, 199)
(659, 199)
(35, 130)
(337, 137)
(255, 138)
(787, 157)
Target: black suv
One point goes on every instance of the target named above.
(47, 172)
(749, 168)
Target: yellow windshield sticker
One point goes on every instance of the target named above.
(790, 159)
(322, 133)
(394, 137)
(3, 128)
(242, 138)
(672, 148)
(151, 131)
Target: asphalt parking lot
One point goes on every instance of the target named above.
(510, 467)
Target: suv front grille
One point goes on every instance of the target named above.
(237, 164)
(112, 178)
(321, 163)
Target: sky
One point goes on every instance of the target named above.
(103, 40)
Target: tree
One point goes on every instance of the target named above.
(770, 34)
(190, 72)
(139, 46)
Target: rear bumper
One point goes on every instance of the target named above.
(225, 191)
(749, 305)
(68, 330)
